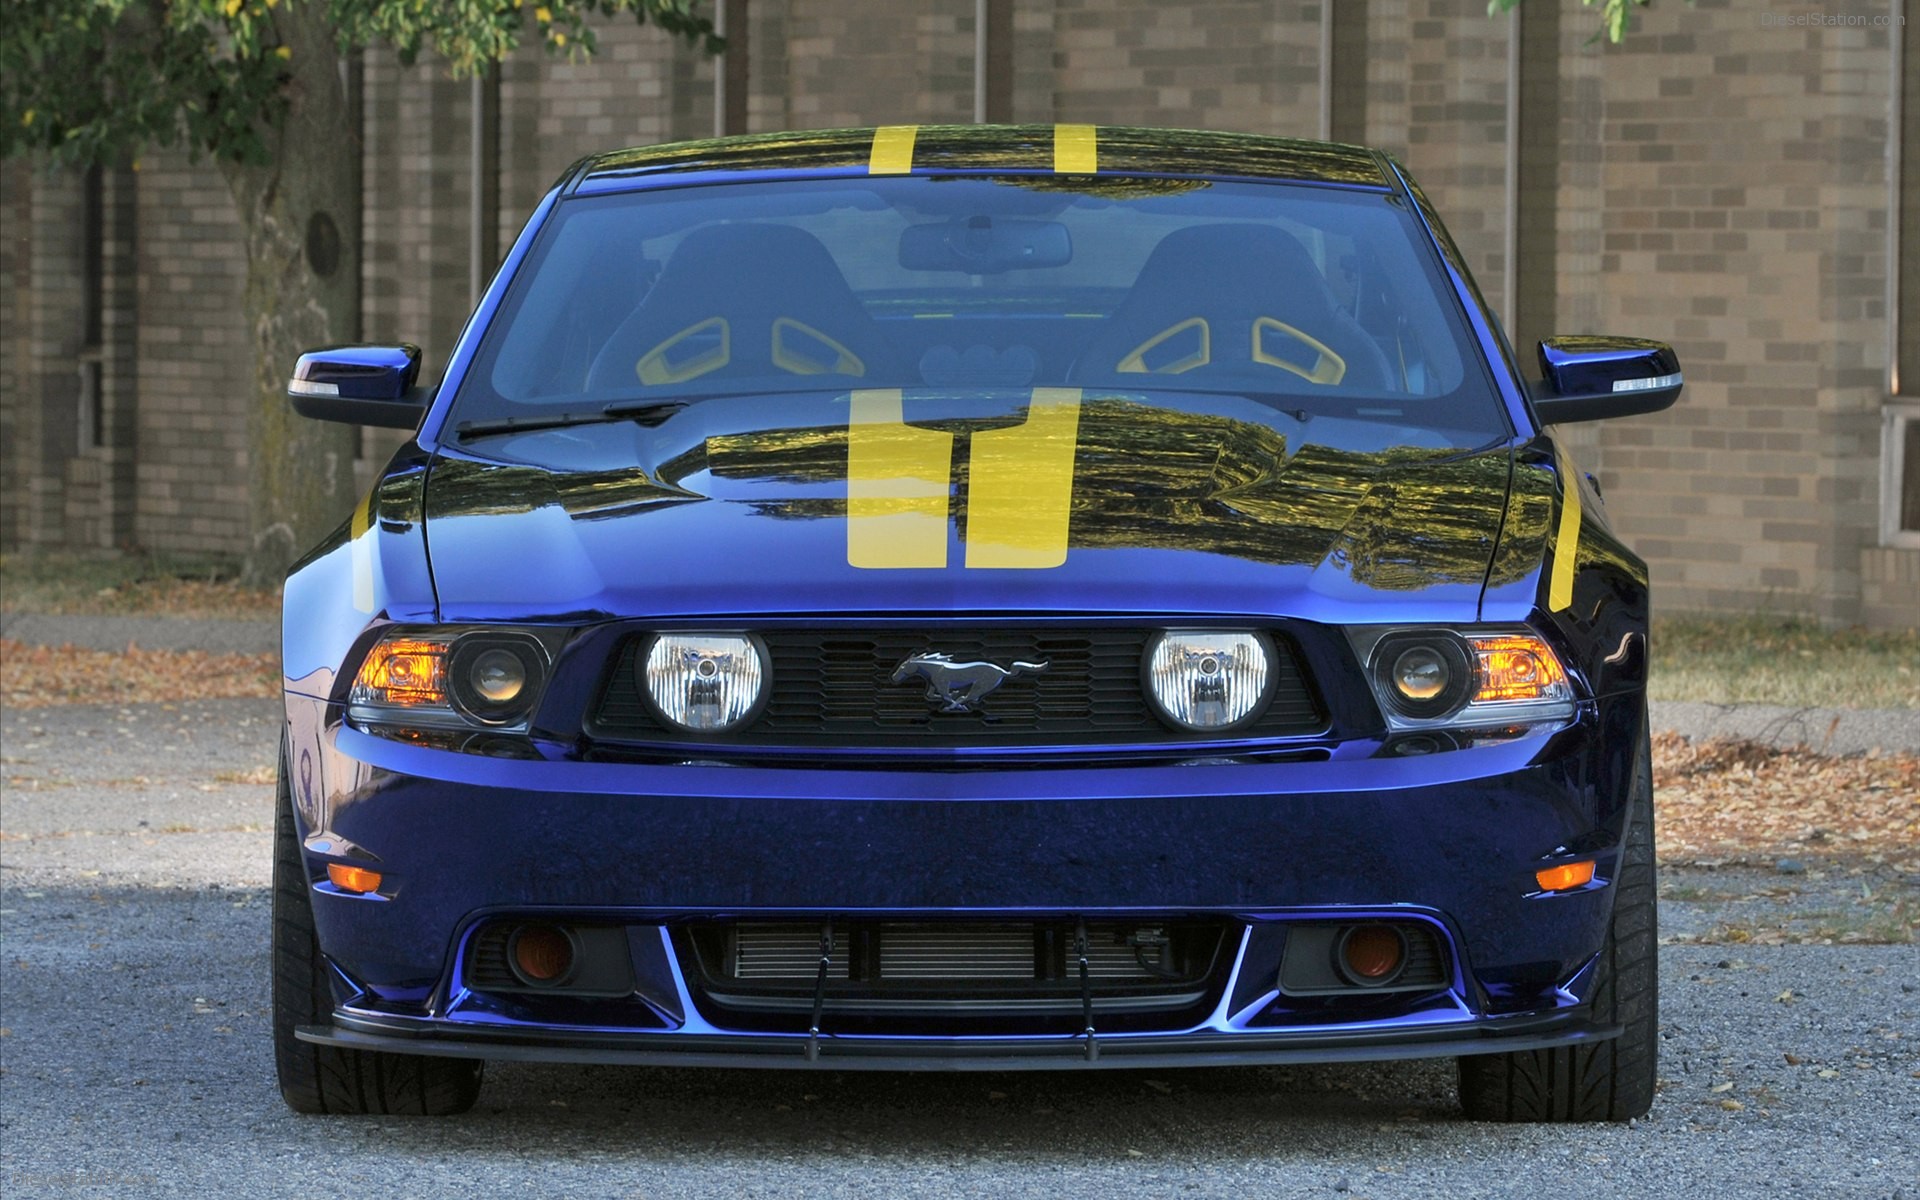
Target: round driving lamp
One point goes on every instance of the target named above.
(495, 680)
(1423, 675)
(704, 682)
(1209, 680)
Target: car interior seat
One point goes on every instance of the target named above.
(1243, 302)
(744, 301)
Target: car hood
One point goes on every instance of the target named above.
(1050, 501)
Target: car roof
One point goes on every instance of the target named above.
(1078, 150)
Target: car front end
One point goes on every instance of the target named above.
(1018, 649)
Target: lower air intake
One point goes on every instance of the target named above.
(955, 965)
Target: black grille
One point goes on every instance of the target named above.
(835, 688)
(995, 966)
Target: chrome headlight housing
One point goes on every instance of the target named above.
(1209, 680)
(451, 679)
(704, 682)
(1430, 677)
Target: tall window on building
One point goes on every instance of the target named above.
(93, 308)
(1900, 432)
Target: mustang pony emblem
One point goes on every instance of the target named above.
(960, 687)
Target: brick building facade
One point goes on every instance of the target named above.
(1738, 181)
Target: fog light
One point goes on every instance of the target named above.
(1372, 954)
(540, 954)
(353, 879)
(1209, 680)
(1565, 877)
(705, 682)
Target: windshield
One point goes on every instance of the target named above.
(1310, 299)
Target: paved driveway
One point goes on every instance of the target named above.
(133, 966)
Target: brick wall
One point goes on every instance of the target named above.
(1739, 195)
(1238, 65)
(195, 358)
(1714, 181)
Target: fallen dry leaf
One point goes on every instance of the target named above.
(35, 676)
(1726, 798)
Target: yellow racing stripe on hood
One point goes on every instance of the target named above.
(898, 485)
(1566, 541)
(1020, 485)
(361, 552)
(892, 150)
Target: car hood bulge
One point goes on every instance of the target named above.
(1048, 501)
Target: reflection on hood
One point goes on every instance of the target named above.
(1190, 476)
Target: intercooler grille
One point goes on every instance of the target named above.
(996, 965)
(922, 953)
(836, 688)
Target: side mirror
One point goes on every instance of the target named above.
(1593, 378)
(360, 385)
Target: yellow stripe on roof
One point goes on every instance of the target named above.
(1075, 151)
(892, 150)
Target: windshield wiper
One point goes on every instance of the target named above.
(642, 412)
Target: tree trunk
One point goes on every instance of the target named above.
(301, 216)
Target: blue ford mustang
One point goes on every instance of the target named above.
(973, 598)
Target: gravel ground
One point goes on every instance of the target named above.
(107, 632)
(134, 1058)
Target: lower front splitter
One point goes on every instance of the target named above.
(868, 1053)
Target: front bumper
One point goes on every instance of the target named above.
(1452, 839)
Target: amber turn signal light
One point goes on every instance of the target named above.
(353, 879)
(1565, 877)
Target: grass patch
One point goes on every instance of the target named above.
(1783, 660)
(144, 584)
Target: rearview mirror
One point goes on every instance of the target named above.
(1589, 378)
(360, 385)
(983, 245)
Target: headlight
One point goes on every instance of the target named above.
(1430, 677)
(705, 682)
(496, 678)
(1422, 675)
(414, 679)
(1210, 680)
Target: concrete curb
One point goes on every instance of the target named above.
(213, 634)
(1827, 730)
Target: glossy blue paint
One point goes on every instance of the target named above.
(1592, 364)
(358, 372)
(1260, 832)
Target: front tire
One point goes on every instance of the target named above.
(325, 1079)
(1602, 1081)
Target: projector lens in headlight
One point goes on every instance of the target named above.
(707, 682)
(1210, 680)
(499, 676)
(496, 677)
(1423, 674)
